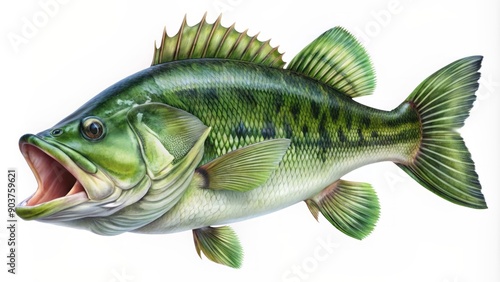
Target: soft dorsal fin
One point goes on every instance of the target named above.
(205, 40)
(337, 59)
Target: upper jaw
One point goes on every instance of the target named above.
(62, 183)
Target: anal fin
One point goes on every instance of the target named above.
(219, 244)
(352, 207)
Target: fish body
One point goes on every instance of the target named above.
(217, 131)
(330, 134)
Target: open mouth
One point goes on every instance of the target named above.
(54, 180)
(59, 186)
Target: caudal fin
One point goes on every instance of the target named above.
(443, 163)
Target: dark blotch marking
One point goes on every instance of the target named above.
(341, 135)
(305, 129)
(295, 110)
(365, 121)
(204, 174)
(334, 114)
(392, 121)
(192, 93)
(322, 125)
(325, 140)
(247, 97)
(288, 130)
(268, 131)
(374, 134)
(323, 133)
(278, 102)
(240, 130)
(212, 94)
(325, 143)
(348, 120)
(361, 138)
(333, 110)
(315, 109)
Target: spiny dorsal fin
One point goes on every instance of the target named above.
(205, 40)
(337, 59)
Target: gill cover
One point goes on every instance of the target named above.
(166, 134)
(171, 142)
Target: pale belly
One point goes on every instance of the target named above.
(287, 186)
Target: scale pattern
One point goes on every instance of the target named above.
(246, 103)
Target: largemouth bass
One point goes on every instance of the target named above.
(217, 130)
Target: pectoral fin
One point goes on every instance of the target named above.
(246, 168)
(352, 207)
(219, 244)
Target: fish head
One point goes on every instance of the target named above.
(118, 162)
(88, 165)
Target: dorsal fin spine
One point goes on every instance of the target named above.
(197, 36)
(252, 39)
(237, 42)
(275, 61)
(178, 43)
(203, 54)
(223, 39)
(163, 38)
(261, 48)
(272, 50)
(213, 31)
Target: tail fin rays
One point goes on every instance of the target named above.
(443, 163)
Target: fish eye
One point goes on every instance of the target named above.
(92, 128)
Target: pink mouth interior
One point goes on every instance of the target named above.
(54, 180)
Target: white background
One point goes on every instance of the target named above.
(77, 48)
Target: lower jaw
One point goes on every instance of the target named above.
(47, 209)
